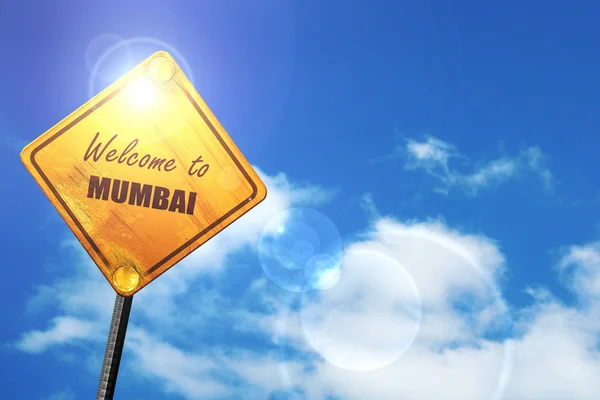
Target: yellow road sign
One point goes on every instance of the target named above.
(143, 174)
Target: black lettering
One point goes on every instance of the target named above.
(191, 170)
(111, 154)
(178, 202)
(129, 147)
(156, 163)
(168, 164)
(140, 194)
(142, 162)
(191, 204)
(200, 171)
(98, 188)
(94, 152)
(160, 199)
(203, 169)
(119, 196)
(130, 157)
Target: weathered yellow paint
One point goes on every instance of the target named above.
(153, 110)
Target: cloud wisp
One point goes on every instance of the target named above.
(453, 170)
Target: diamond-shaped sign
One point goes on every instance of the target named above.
(143, 174)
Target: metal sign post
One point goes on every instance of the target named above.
(114, 348)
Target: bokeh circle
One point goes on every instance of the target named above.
(372, 285)
(300, 249)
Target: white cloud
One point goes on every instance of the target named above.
(580, 267)
(63, 330)
(213, 374)
(264, 371)
(367, 203)
(435, 156)
(432, 151)
(185, 374)
(557, 358)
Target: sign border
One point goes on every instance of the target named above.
(181, 248)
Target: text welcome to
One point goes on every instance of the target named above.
(135, 193)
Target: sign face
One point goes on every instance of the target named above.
(143, 174)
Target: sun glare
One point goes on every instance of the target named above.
(141, 93)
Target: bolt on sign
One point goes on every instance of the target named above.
(143, 174)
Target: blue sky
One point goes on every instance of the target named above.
(451, 145)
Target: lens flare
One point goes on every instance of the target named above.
(322, 271)
(112, 58)
(369, 319)
(111, 67)
(300, 250)
(141, 93)
(120, 56)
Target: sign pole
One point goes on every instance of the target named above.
(114, 348)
